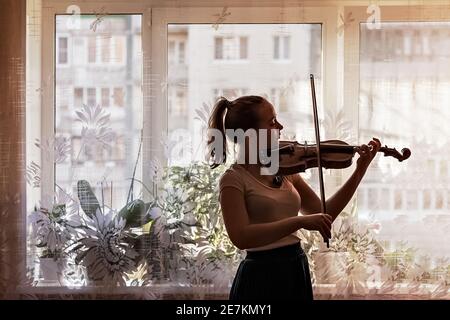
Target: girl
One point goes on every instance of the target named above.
(260, 212)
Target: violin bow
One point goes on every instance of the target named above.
(319, 161)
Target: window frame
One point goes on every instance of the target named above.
(154, 39)
(340, 56)
(50, 9)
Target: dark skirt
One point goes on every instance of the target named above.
(275, 274)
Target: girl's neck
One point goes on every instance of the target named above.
(255, 169)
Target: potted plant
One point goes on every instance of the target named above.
(52, 233)
(108, 241)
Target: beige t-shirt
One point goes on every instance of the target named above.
(265, 204)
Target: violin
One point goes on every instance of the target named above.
(333, 154)
(295, 157)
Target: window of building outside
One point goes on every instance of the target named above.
(105, 97)
(63, 52)
(281, 47)
(231, 48)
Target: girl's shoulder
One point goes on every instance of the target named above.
(293, 177)
(232, 177)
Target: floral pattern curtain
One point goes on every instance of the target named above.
(111, 221)
(12, 147)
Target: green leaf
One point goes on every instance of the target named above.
(58, 210)
(88, 200)
(135, 213)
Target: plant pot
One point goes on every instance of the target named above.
(51, 270)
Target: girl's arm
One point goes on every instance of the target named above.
(337, 202)
(245, 235)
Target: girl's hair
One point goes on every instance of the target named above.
(241, 113)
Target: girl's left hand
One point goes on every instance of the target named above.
(367, 152)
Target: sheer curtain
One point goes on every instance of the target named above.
(12, 148)
(107, 193)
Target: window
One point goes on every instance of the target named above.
(92, 49)
(281, 47)
(105, 97)
(231, 48)
(119, 149)
(401, 91)
(97, 133)
(177, 49)
(411, 202)
(218, 48)
(171, 52)
(63, 54)
(243, 47)
(78, 97)
(120, 50)
(181, 53)
(427, 199)
(443, 169)
(286, 89)
(389, 91)
(118, 97)
(91, 96)
(178, 102)
(439, 199)
(106, 49)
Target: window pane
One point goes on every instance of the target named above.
(181, 53)
(404, 101)
(105, 97)
(120, 49)
(118, 97)
(91, 97)
(78, 98)
(62, 50)
(106, 49)
(92, 49)
(218, 48)
(239, 73)
(276, 47)
(171, 52)
(243, 47)
(286, 47)
(91, 142)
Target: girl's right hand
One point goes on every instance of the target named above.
(319, 221)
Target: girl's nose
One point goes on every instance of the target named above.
(280, 126)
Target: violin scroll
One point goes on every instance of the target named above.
(392, 152)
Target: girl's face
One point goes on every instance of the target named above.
(268, 120)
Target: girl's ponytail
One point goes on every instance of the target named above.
(216, 121)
